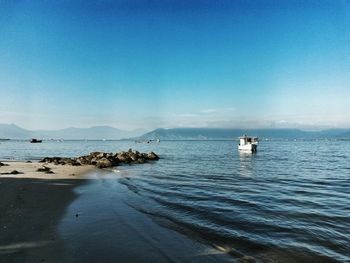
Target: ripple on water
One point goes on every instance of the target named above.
(290, 200)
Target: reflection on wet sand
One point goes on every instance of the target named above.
(108, 227)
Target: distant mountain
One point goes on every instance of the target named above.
(229, 134)
(12, 131)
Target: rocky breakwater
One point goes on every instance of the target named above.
(104, 160)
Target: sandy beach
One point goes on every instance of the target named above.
(31, 204)
(30, 170)
(65, 216)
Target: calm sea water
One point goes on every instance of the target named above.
(289, 201)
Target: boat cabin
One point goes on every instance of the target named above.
(248, 143)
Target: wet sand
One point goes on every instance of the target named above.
(32, 204)
(54, 218)
(30, 211)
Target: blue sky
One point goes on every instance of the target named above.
(150, 64)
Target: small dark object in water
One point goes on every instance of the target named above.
(35, 141)
(29, 161)
(76, 215)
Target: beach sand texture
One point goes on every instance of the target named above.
(31, 205)
(30, 170)
(34, 204)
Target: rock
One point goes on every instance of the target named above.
(141, 160)
(64, 161)
(103, 160)
(43, 169)
(83, 160)
(69, 161)
(97, 155)
(15, 172)
(109, 155)
(3, 164)
(114, 161)
(101, 155)
(45, 160)
(55, 160)
(123, 156)
(75, 163)
(103, 163)
(133, 156)
(152, 156)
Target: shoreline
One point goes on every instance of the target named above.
(27, 169)
(54, 217)
(32, 204)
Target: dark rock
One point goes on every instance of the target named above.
(114, 161)
(15, 172)
(64, 161)
(93, 161)
(104, 160)
(43, 169)
(109, 155)
(133, 156)
(75, 163)
(97, 155)
(83, 160)
(141, 160)
(55, 160)
(103, 163)
(45, 160)
(3, 164)
(152, 156)
(123, 156)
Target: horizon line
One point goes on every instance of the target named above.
(307, 128)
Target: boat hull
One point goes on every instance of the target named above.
(36, 141)
(248, 147)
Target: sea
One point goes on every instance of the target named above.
(289, 202)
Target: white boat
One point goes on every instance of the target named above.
(248, 143)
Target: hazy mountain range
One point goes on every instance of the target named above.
(12, 131)
(228, 134)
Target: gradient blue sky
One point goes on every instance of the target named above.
(149, 64)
